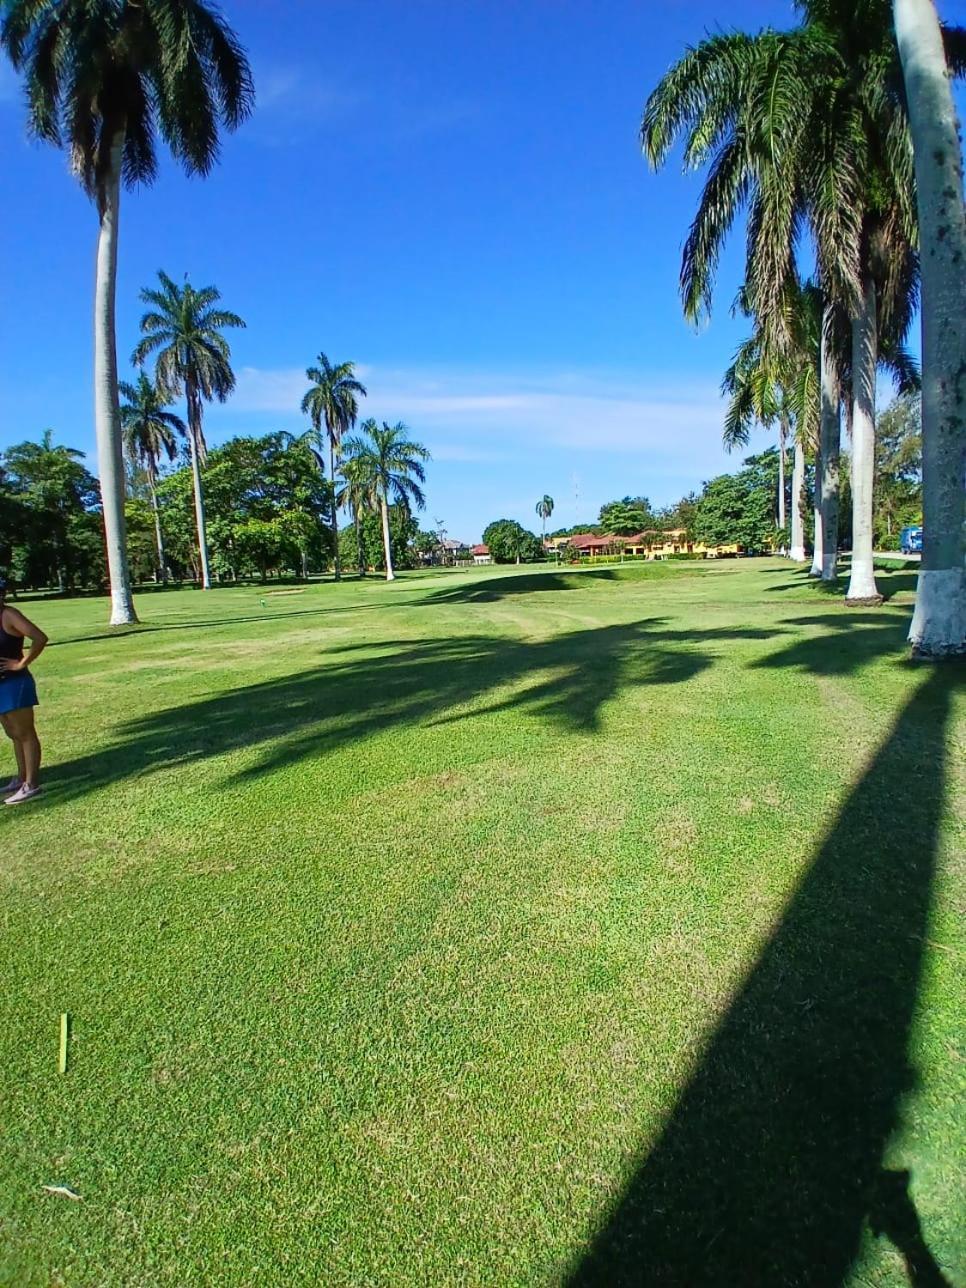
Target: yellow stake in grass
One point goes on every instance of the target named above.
(64, 1035)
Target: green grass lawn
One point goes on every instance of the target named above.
(493, 927)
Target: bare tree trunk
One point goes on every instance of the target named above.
(817, 532)
(830, 431)
(335, 512)
(360, 545)
(862, 588)
(390, 575)
(939, 622)
(194, 440)
(158, 536)
(797, 551)
(782, 440)
(107, 413)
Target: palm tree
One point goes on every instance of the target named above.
(105, 78)
(333, 401)
(307, 441)
(769, 382)
(183, 327)
(357, 492)
(391, 464)
(803, 128)
(150, 433)
(753, 386)
(544, 509)
(939, 623)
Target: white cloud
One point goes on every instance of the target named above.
(292, 101)
(482, 415)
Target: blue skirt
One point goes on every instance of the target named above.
(17, 690)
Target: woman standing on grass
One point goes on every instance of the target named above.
(18, 697)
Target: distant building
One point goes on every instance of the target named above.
(642, 545)
(481, 554)
(453, 552)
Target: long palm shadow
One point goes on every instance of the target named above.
(364, 689)
(492, 588)
(204, 623)
(848, 642)
(772, 1160)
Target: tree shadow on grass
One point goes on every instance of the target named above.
(364, 689)
(490, 589)
(890, 582)
(772, 1160)
(848, 641)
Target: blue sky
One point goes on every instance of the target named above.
(451, 195)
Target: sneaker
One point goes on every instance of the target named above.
(11, 786)
(23, 793)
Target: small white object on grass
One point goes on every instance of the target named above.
(63, 1191)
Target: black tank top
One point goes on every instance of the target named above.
(11, 646)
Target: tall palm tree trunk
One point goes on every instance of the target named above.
(782, 440)
(158, 536)
(797, 551)
(390, 575)
(939, 622)
(816, 568)
(862, 588)
(107, 411)
(335, 512)
(360, 545)
(830, 434)
(194, 441)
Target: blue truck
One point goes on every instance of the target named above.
(910, 541)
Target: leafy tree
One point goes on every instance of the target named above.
(627, 517)
(403, 532)
(681, 515)
(426, 545)
(332, 401)
(357, 492)
(898, 469)
(150, 433)
(55, 490)
(184, 328)
(267, 505)
(106, 78)
(391, 466)
(142, 550)
(510, 542)
(594, 528)
(544, 510)
(739, 508)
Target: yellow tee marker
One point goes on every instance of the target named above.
(64, 1035)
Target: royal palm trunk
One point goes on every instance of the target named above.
(797, 551)
(939, 622)
(194, 441)
(158, 536)
(830, 432)
(862, 588)
(782, 440)
(387, 546)
(360, 545)
(816, 568)
(107, 413)
(335, 512)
